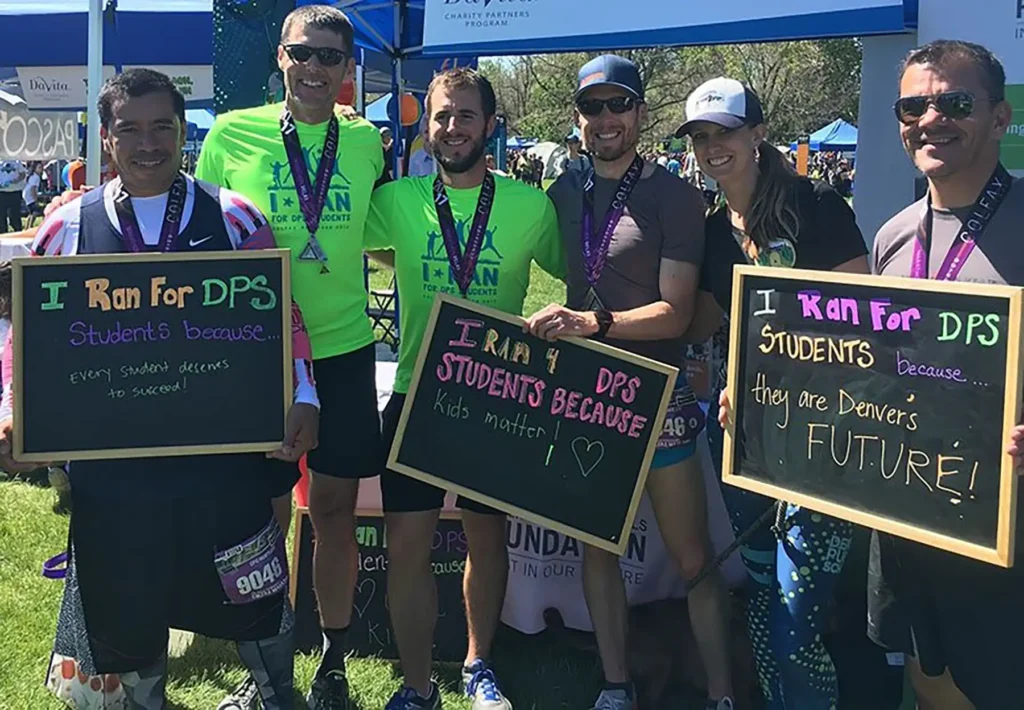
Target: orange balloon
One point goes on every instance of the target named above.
(347, 94)
(411, 110)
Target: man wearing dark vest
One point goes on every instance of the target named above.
(147, 534)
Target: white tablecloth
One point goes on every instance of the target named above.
(545, 567)
(11, 247)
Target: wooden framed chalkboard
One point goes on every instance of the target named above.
(561, 434)
(882, 401)
(155, 354)
(370, 632)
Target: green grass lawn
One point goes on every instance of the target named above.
(541, 672)
(543, 288)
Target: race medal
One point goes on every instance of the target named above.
(592, 302)
(312, 196)
(314, 252)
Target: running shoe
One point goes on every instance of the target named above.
(480, 684)
(245, 697)
(613, 700)
(409, 699)
(329, 692)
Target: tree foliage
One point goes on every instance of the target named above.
(803, 85)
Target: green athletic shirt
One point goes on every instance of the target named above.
(244, 152)
(523, 227)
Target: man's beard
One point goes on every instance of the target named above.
(630, 139)
(459, 165)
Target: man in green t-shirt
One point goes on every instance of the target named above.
(312, 175)
(476, 233)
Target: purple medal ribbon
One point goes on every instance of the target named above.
(131, 233)
(463, 264)
(595, 246)
(311, 197)
(981, 214)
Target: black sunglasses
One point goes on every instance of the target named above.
(617, 104)
(327, 56)
(956, 105)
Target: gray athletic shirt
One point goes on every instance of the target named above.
(998, 257)
(664, 219)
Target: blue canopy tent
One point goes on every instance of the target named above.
(200, 121)
(516, 142)
(55, 33)
(838, 136)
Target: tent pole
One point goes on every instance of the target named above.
(396, 90)
(94, 82)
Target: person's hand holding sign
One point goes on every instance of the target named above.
(63, 199)
(301, 433)
(555, 321)
(7, 461)
(1015, 447)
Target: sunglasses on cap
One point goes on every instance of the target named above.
(955, 105)
(327, 56)
(617, 104)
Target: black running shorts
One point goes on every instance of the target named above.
(144, 567)
(950, 612)
(349, 421)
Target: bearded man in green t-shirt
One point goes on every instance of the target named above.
(312, 175)
(424, 222)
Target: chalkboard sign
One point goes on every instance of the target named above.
(370, 632)
(129, 355)
(561, 434)
(881, 401)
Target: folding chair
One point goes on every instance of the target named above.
(383, 312)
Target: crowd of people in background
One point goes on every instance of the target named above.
(22, 190)
(525, 167)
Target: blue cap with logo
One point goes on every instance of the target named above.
(611, 70)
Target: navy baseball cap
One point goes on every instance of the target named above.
(610, 70)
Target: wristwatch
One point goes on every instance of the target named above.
(604, 321)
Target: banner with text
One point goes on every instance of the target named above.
(38, 135)
(998, 25)
(524, 26)
(65, 87)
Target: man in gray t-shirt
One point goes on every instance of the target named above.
(664, 219)
(641, 300)
(959, 620)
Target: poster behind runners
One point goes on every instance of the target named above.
(130, 355)
(881, 401)
(559, 433)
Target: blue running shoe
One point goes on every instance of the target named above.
(409, 699)
(480, 684)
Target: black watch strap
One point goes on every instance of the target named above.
(604, 321)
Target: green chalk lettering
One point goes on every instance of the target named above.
(54, 287)
(208, 299)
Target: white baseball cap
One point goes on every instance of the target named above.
(726, 102)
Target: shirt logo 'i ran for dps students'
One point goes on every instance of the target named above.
(437, 273)
(284, 203)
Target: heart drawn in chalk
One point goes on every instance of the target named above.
(588, 454)
(365, 598)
